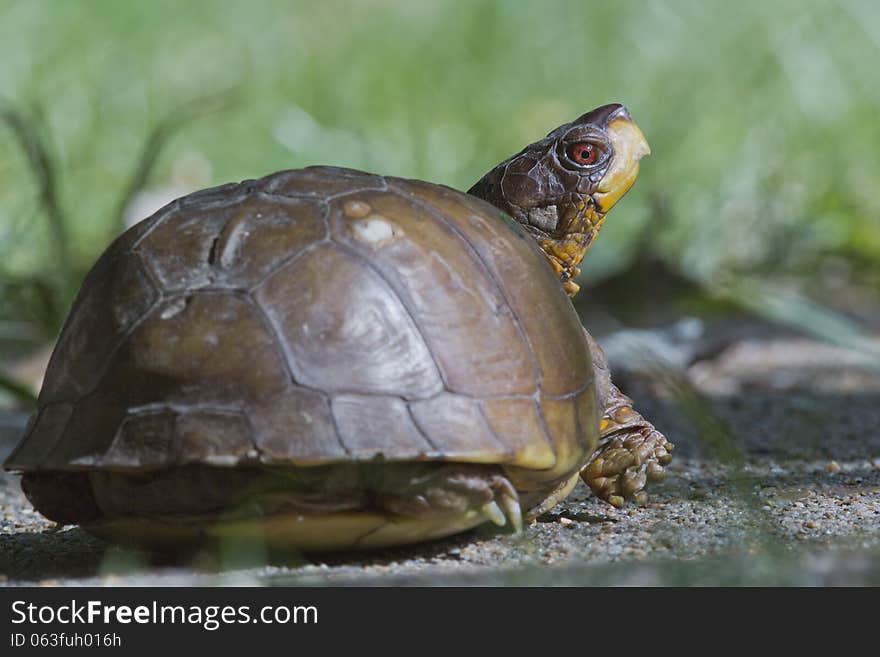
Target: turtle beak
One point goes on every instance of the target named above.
(630, 146)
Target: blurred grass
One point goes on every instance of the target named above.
(762, 116)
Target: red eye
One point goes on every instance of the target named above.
(583, 153)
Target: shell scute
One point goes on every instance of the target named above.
(374, 427)
(344, 329)
(116, 294)
(459, 309)
(296, 426)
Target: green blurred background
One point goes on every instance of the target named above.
(762, 116)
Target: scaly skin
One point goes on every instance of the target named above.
(566, 252)
(563, 206)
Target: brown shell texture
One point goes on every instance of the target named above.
(311, 317)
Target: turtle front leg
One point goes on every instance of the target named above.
(631, 451)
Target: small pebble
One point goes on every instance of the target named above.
(565, 521)
(832, 467)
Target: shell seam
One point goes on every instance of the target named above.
(487, 272)
(361, 258)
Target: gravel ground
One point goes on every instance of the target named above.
(801, 418)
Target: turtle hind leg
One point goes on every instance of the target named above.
(454, 488)
(631, 452)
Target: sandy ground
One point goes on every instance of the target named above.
(801, 418)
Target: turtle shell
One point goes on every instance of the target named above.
(318, 316)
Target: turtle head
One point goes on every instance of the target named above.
(561, 187)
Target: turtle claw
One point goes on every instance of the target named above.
(504, 509)
(494, 513)
(615, 500)
(512, 510)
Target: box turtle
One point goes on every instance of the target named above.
(330, 359)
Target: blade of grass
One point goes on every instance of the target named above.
(33, 142)
(792, 309)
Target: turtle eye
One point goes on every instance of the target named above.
(583, 153)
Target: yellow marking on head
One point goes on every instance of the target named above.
(630, 146)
